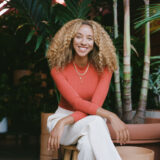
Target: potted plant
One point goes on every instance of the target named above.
(140, 133)
(153, 115)
(45, 28)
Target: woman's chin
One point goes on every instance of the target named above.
(82, 54)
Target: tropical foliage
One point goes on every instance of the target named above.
(44, 19)
(154, 14)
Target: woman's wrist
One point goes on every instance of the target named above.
(111, 116)
(66, 120)
(105, 114)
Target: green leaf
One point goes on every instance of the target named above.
(154, 14)
(63, 15)
(154, 63)
(84, 8)
(39, 41)
(155, 57)
(72, 6)
(30, 35)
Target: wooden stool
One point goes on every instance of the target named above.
(70, 152)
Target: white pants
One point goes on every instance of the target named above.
(91, 135)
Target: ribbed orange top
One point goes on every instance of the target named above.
(84, 96)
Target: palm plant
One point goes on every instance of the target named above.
(45, 18)
(154, 14)
(140, 115)
(126, 104)
(117, 72)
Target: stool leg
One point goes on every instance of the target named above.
(67, 155)
(75, 155)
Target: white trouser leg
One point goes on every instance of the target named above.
(95, 130)
(85, 149)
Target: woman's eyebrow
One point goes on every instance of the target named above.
(79, 33)
(82, 34)
(90, 35)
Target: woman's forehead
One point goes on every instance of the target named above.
(85, 29)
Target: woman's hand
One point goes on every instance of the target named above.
(120, 128)
(55, 135)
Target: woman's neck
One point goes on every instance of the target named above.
(81, 61)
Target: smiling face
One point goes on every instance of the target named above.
(83, 41)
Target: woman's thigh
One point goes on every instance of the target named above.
(73, 132)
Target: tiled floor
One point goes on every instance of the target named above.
(16, 149)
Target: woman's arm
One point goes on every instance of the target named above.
(119, 127)
(73, 98)
(101, 91)
(56, 133)
(99, 94)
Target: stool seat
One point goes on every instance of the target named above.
(70, 147)
(70, 152)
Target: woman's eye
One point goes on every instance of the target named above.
(90, 39)
(78, 36)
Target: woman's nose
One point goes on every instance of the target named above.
(84, 41)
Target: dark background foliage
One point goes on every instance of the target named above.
(25, 34)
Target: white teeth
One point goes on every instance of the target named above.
(82, 49)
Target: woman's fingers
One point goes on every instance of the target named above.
(53, 143)
(124, 136)
(122, 133)
(118, 135)
(121, 137)
(128, 135)
(55, 135)
(56, 144)
(49, 142)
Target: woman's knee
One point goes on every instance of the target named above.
(98, 119)
(84, 144)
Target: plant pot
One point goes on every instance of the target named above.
(135, 153)
(19, 73)
(4, 125)
(152, 116)
(44, 153)
(140, 133)
(143, 135)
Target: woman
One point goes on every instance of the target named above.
(82, 58)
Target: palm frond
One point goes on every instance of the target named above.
(45, 18)
(33, 10)
(156, 60)
(63, 15)
(74, 9)
(84, 8)
(72, 6)
(154, 12)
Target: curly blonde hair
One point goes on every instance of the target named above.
(60, 51)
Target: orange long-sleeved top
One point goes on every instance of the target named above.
(83, 96)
